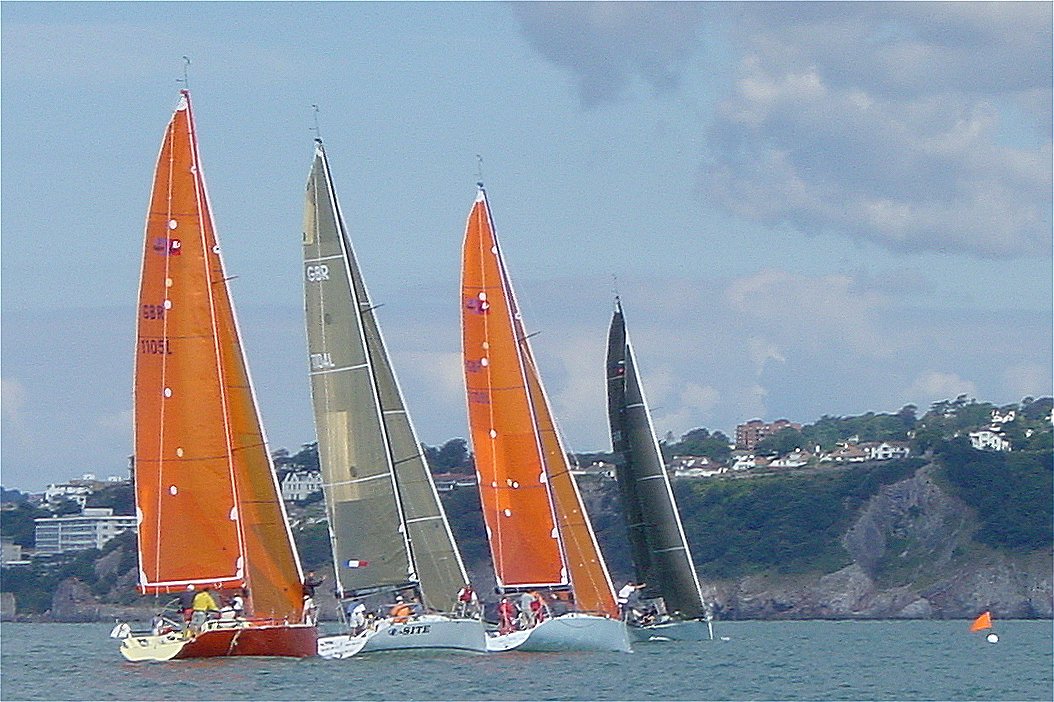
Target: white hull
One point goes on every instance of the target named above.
(678, 630)
(151, 647)
(427, 632)
(568, 632)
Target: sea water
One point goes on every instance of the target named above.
(902, 660)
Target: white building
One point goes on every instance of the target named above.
(300, 485)
(10, 553)
(1000, 418)
(795, 459)
(886, 450)
(75, 491)
(987, 440)
(91, 529)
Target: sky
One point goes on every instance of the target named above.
(806, 209)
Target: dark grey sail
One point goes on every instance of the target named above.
(387, 526)
(659, 549)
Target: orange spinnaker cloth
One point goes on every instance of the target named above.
(982, 622)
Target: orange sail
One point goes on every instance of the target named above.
(206, 494)
(982, 622)
(513, 483)
(534, 513)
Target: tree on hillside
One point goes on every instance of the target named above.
(17, 524)
(786, 441)
(119, 496)
(698, 442)
(448, 458)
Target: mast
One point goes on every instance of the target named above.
(656, 534)
(390, 515)
(203, 472)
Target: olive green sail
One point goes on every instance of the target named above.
(387, 526)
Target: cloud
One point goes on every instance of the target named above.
(885, 123)
(12, 399)
(816, 311)
(889, 124)
(936, 385)
(606, 45)
(1028, 379)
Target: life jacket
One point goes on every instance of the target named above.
(401, 612)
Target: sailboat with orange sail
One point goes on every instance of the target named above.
(984, 623)
(540, 537)
(212, 525)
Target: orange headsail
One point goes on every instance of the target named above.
(512, 478)
(539, 533)
(207, 498)
(982, 622)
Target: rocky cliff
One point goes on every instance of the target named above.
(913, 557)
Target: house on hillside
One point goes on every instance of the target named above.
(845, 453)
(795, 459)
(300, 485)
(695, 467)
(885, 450)
(448, 482)
(91, 529)
(988, 440)
(1003, 418)
(743, 460)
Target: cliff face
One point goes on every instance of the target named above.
(913, 557)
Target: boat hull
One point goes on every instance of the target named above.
(680, 630)
(431, 632)
(568, 632)
(239, 639)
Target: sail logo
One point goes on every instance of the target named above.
(475, 304)
(322, 361)
(409, 630)
(167, 247)
(317, 274)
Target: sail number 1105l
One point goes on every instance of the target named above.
(155, 347)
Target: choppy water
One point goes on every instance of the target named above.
(759, 661)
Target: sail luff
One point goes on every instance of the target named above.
(371, 548)
(626, 480)
(513, 483)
